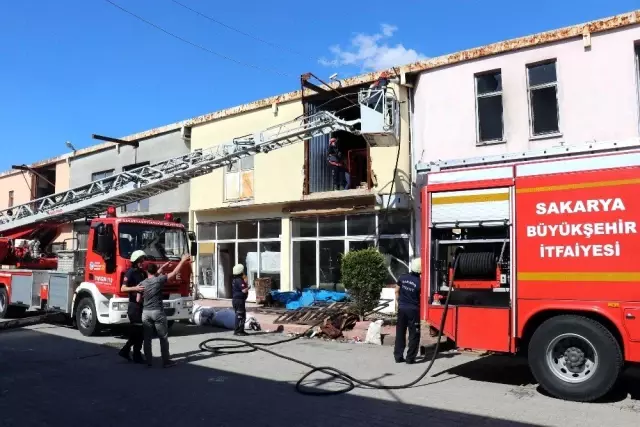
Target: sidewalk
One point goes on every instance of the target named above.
(359, 332)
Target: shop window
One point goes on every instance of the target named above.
(394, 223)
(361, 225)
(248, 230)
(248, 256)
(331, 252)
(226, 230)
(270, 229)
(396, 254)
(304, 227)
(304, 264)
(331, 226)
(206, 231)
(270, 262)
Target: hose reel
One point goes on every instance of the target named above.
(476, 270)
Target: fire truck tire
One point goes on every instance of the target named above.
(575, 358)
(87, 317)
(4, 302)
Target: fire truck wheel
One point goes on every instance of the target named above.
(4, 302)
(575, 358)
(87, 317)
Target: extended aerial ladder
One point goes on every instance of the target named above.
(378, 123)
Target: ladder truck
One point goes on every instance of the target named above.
(535, 253)
(87, 289)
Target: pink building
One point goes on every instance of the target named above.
(569, 86)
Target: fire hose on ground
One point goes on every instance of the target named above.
(333, 372)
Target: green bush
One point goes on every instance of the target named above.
(363, 275)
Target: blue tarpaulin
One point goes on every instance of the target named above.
(297, 299)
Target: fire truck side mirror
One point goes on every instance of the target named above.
(194, 249)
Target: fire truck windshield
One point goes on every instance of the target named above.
(158, 242)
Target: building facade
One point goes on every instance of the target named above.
(569, 86)
(278, 213)
(105, 160)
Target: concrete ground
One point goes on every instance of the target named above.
(52, 376)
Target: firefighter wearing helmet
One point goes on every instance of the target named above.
(132, 279)
(408, 307)
(239, 293)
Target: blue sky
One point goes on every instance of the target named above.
(70, 68)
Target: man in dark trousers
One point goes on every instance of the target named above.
(153, 317)
(132, 278)
(408, 300)
(336, 163)
(240, 292)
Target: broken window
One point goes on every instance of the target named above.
(489, 106)
(238, 179)
(543, 98)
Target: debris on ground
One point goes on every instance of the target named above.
(374, 333)
(305, 298)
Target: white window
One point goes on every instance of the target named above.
(238, 180)
(489, 113)
(543, 98)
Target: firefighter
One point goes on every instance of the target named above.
(239, 293)
(336, 163)
(132, 278)
(408, 309)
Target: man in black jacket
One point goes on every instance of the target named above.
(338, 169)
(132, 279)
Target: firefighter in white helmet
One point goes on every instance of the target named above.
(408, 307)
(239, 293)
(132, 278)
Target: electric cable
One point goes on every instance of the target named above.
(182, 39)
(251, 36)
(335, 373)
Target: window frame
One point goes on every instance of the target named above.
(257, 241)
(107, 174)
(477, 96)
(11, 200)
(375, 237)
(239, 169)
(555, 84)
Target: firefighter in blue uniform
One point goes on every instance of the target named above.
(408, 307)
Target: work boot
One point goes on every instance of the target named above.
(169, 364)
(400, 359)
(124, 353)
(241, 334)
(411, 361)
(138, 358)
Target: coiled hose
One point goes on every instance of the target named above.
(335, 373)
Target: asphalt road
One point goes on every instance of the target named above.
(52, 376)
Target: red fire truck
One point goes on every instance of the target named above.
(538, 251)
(88, 289)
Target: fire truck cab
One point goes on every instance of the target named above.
(540, 258)
(86, 285)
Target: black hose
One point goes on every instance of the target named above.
(331, 371)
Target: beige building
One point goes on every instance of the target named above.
(278, 214)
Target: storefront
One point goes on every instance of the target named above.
(254, 243)
(319, 242)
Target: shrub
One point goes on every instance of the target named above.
(363, 275)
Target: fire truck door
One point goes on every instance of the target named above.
(632, 321)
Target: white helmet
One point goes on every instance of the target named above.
(136, 255)
(238, 269)
(416, 265)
